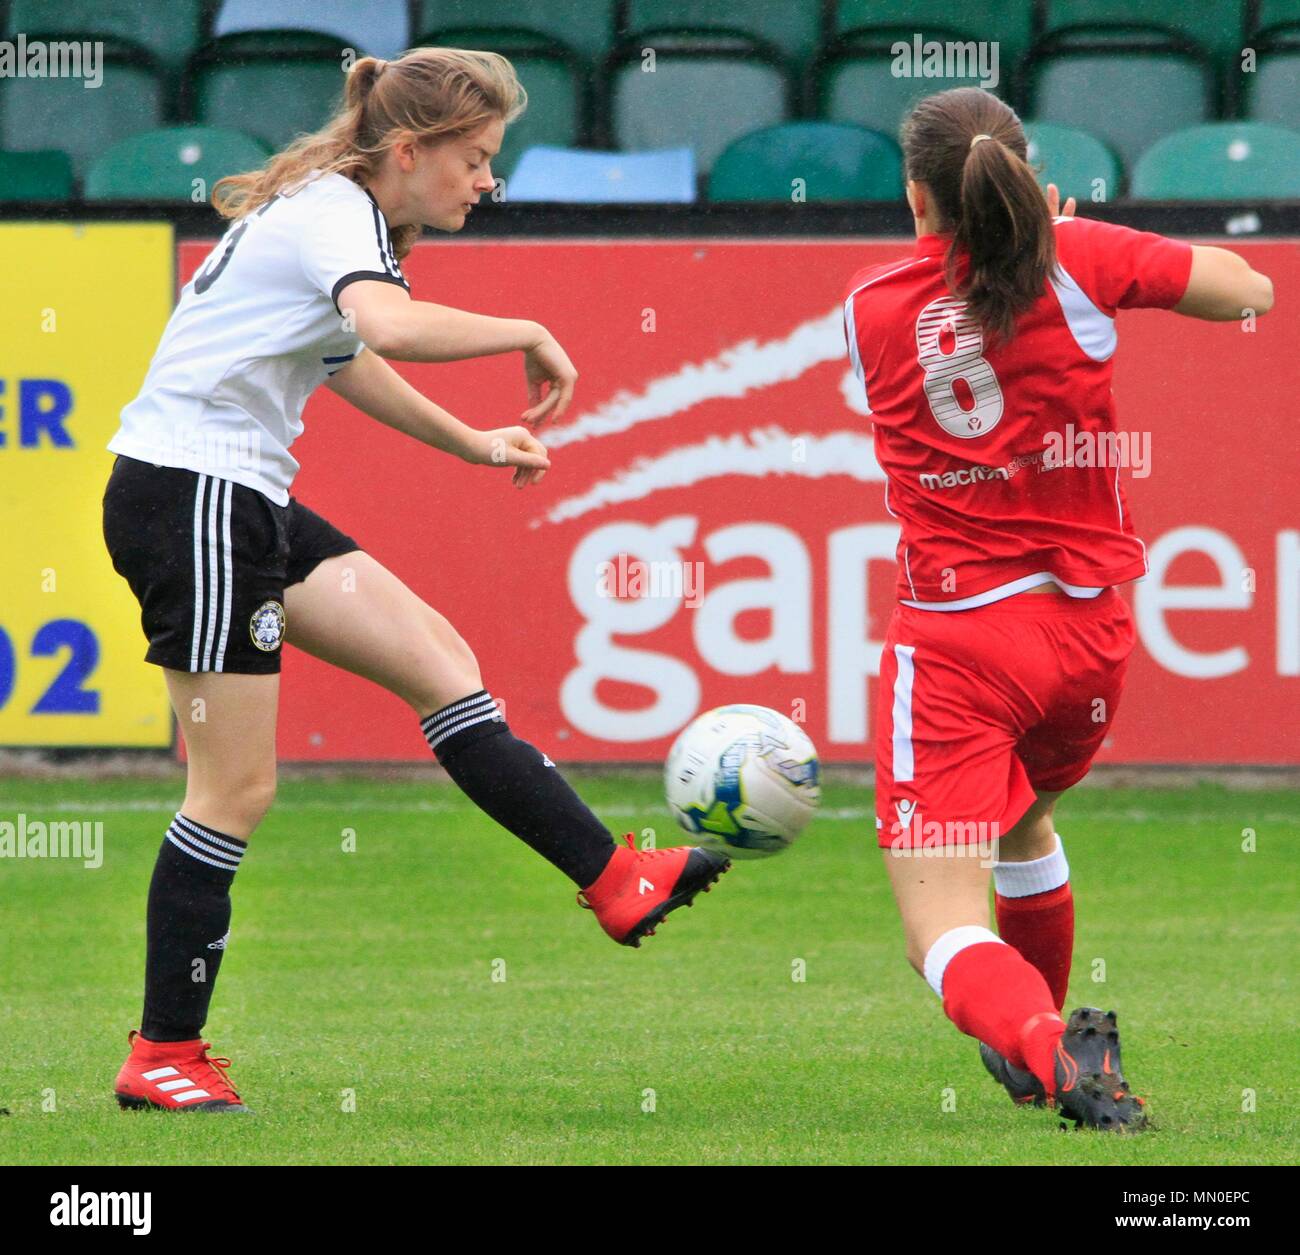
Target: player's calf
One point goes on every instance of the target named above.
(518, 786)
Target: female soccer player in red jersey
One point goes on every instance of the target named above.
(986, 360)
(306, 288)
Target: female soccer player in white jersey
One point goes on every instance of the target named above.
(306, 288)
(1005, 657)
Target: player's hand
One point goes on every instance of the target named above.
(547, 366)
(510, 446)
(1054, 203)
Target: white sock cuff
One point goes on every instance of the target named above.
(1041, 875)
(948, 946)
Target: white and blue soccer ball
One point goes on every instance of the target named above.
(744, 780)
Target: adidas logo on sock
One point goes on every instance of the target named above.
(546, 762)
(219, 944)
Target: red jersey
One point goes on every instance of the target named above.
(1002, 461)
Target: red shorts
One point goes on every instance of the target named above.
(979, 710)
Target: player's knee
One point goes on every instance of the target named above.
(447, 670)
(247, 799)
(451, 645)
(464, 666)
(1032, 837)
(235, 805)
(261, 795)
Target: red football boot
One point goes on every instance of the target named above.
(639, 887)
(175, 1076)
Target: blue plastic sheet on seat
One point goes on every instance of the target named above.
(581, 176)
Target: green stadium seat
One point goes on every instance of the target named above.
(1151, 86)
(42, 113)
(273, 85)
(793, 31)
(854, 82)
(551, 74)
(834, 160)
(704, 91)
(43, 175)
(1221, 161)
(1078, 163)
(169, 29)
(1009, 22)
(586, 26)
(164, 164)
(1273, 90)
(1272, 17)
(1215, 26)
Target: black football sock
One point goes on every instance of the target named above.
(189, 920)
(518, 786)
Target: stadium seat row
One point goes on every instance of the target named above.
(273, 85)
(798, 30)
(715, 73)
(836, 161)
(790, 162)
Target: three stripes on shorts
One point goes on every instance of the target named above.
(213, 566)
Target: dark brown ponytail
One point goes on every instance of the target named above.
(986, 194)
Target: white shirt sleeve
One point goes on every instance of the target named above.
(346, 240)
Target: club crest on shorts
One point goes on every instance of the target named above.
(266, 627)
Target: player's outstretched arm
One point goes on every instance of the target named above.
(375, 388)
(395, 326)
(1223, 287)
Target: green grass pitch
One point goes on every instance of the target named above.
(365, 980)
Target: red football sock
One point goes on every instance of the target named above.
(1041, 927)
(991, 993)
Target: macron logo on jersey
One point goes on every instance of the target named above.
(967, 475)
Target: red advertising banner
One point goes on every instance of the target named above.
(713, 527)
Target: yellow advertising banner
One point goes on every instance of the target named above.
(83, 309)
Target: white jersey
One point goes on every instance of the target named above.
(255, 333)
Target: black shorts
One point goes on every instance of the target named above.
(208, 560)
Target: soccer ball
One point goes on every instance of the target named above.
(744, 779)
